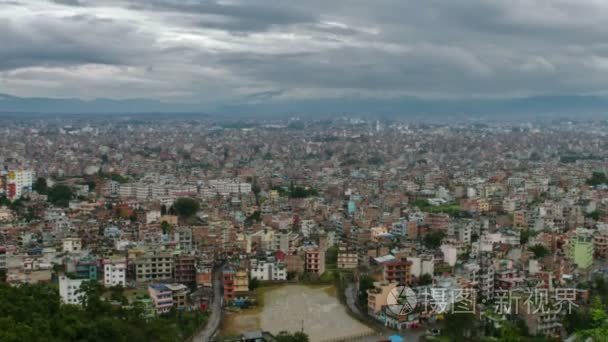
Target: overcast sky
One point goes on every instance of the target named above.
(264, 50)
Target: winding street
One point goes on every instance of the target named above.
(215, 317)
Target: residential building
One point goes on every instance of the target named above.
(377, 297)
(162, 298)
(155, 266)
(115, 272)
(19, 182)
(71, 244)
(69, 290)
(184, 269)
(398, 271)
(314, 260)
(348, 259)
(268, 271)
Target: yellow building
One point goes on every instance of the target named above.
(378, 295)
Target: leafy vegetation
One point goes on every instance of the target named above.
(185, 206)
(597, 178)
(60, 195)
(301, 192)
(524, 236)
(331, 257)
(433, 239)
(35, 313)
(295, 191)
(451, 209)
(539, 251)
(40, 186)
(255, 217)
(596, 214)
(591, 321)
(458, 325)
(425, 279)
(284, 336)
(365, 283)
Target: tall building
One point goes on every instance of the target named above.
(314, 260)
(115, 272)
(347, 258)
(154, 267)
(184, 269)
(398, 271)
(19, 182)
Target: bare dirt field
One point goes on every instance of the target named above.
(291, 307)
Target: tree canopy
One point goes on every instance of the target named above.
(60, 195)
(539, 251)
(35, 313)
(433, 239)
(597, 178)
(186, 206)
(284, 336)
(40, 186)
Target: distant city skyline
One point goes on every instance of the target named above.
(217, 53)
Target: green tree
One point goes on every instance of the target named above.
(596, 214)
(186, 206)
(524, 236)
(40, 186)
(60, 195)
(539, 251)
(458, 325)
(599, 323)
(597, 178)
(117, 294)
(35, 313)
(254, 283)
(425, 279)
(365, 283)
(331, 256)
(284, 336)
(166, 227)
(433, 239)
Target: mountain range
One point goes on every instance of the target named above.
(566, 105)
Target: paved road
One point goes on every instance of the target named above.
(351, 299)
(216, 310)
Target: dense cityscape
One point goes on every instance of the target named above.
(303, 171)
(303, 230)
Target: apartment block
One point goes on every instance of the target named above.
(154, 266)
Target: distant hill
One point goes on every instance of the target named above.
(574, 106)
(13, 104)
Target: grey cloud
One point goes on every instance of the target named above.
(263, 49)
(69, 40)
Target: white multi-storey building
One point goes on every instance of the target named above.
(69, 290)
(115, 272)
(71, 244)
(19, 182)
(266, 271)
